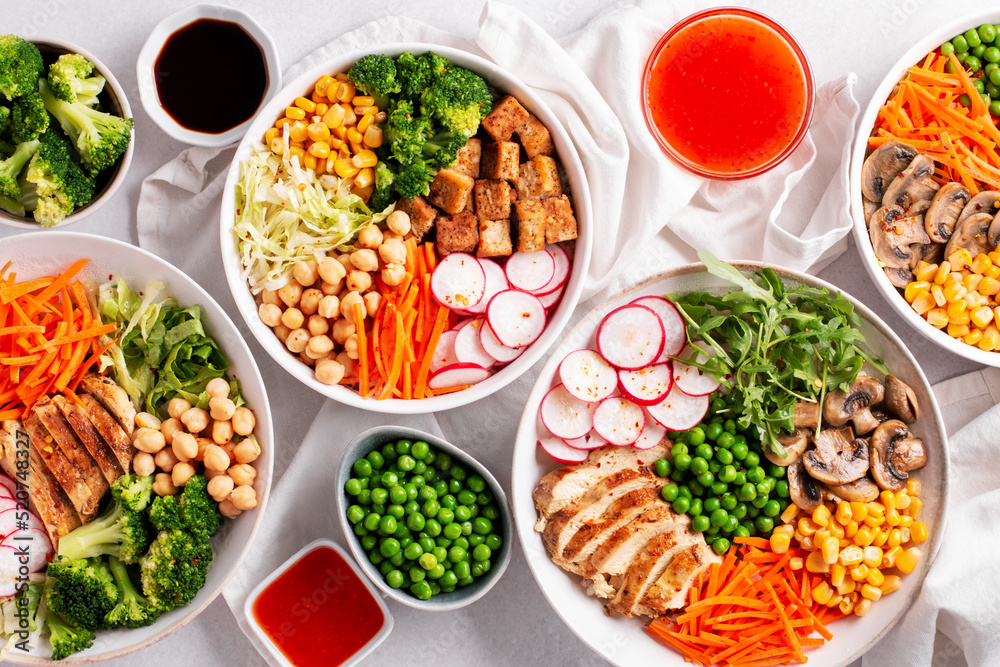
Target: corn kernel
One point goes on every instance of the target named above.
(321, 166)
(837, 573)
(982, 316)
(954, 292)
(319, 149)
(913, 487)
(859, 511)
(843, 513)
(322, 84)
(321, 109)
(870, 592)
(904, 533)
(365, 122)
(816, 563)
(989, 286)
(980, 263)
(373, 136)
(922, 304)
(906, 521)
(876, 508)
(779, 542)
(305, 104)
(994, 256)
(830, 549)
(345, 168)
(892, 517)
(354, 136)
(889, 559)
(925, 273)
(975, 300)
(918, 532)
(888, 499)
(295, 113)
(363, 101)
(350, 118)
(334, 117)
(972, 281)
(365, 177)
(790, 513)
(944, 268)
(990, 339)
(937, 317)
(365, 158)
(819, 537)
(914, 509)
(992, 272)
(902, 500)
(277, 146)
(309, 162)
(847, 603)
(318, 132)
(915, 289)
(881, 537)
(784, 529)
(345, 92)
(821, 515)
(891, 584)
(960, 257)
(851, 529)
(864, 537)
(874, 521)
(297, 131)
(862, 606)
(836, 530)
(956, 309)
(907, 561)
(957, 330)
(851, 556)
(822, 592)
(296, 149)
(795, 563)
(938, 294)
(807, 526)
(872, 556)
(875, 576)
(848, 586)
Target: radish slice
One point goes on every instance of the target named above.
(517, 318)
(561, 452)
(495, 348)
(550, 301)
(694, 381)
(590, 441)
(457, 375)
(31, 543)
(586, 375)
(444, 353)
(630, 337)
(674, 331)
(496, 282)
(560, 271)
(22, 519)
(7, 504)
(619, 420)
(468, 349)
(459, 281)
(9, 485)
(565, 415)
(529, 271)
(651, 436)
(678, 411)
(646, 386)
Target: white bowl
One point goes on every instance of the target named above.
(46, 253)
(912, 57)
(624, 641)
(114, 101)
(154, 44)
(580, 193)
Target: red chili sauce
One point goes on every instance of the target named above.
(317, 612)
(727, 93)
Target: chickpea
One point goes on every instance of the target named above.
(228, 449)
(331, 270)
(351, 346)
(166, 460)
(246, 450)
(297, 340)
(306, 359)
(341, 330)
(216, 458)
(291, 293)
(399, 222)
(222, 408)
(217, 387)
(163, 485)
(293, 318)
(331, 289)
(319, 346)
(281, 332)
(148, 440)
(143, 464)
(203, 444)
(212, 474)
(318, 324)
(393, 274)
(243, 474)
(329, 371)
(243, 497)
(393, 251)
(181, 473)
(243, 421)
(306, 273)
(222, 431)
(345, 261)
(389, 234)
(372, 301)
(269, 314)
(169, 428)
(344, 360)
(359, 281)
(146, 420)
(195, 420)
(228, 510)
(309, 303)
(271, 298)
(347, 303)
(364, 260)
(370, 237)
(219, 487)
(185, 446)
(177, 406)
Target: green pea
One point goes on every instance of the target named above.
(365, 497)
(724, 456)
(678, 475)
(360, 530)
(677, 450)
(368, 542)
(782, 485)
(972, 37)
(407, 463)
(441, 487)
(772, 508)
(394, 579)
(362, 468)
(432, 527)
(728, 472)
(987, 33)
(741, 531)
(355, 514)
(712, 504)
(972, 63)
(387, 524)
(431, 457)
(991, 55)
(740, 510)
(479, 568)
(352, 487)
(449, 501)
(669, 492)
(995, 108)
(704, 451)
(463, 513)
(728, 501)
(397, 495)
(395, 511)
(378, 509)
(389, 479)
(452, 531)
(467, 528)
(389, 450)
(493, 541)
(730, 525)
(764, 524)
(484, 497)
(476, 483)
(992, 89)
(759, 502)
(482, 526)
(466, 497)
(661, 467)
(416, 522)
(375, 558)
(389, 546)
(420, 468)
(721, 546)
(413, 551)
(435, 587)
(421, 590)
(752, 459)
(696, 436)
(379, 496)
(706, 478)
(684, 492)
(741, 478)
(726, 441)
(372, 521)
(385, 567)
(747, 492)
(696, 507)
(730, 426)
(713, 431)
(454, 486)
(752, 511)
(491, 512)
(448, 581)
(718, 517)
(455, 554)
(700, 524)
(699, 465)
(481, 553)
(696, 488)
(740, 451)
(682, 461)
(427, 561)
(445, 516)
(947, 49)
(718, 488)
(714, 467)
(427, 493)
(978, 51)
(420, 450)
(376, 459)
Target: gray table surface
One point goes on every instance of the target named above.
(839, 36)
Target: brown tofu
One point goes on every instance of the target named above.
(507, 116)
(560, 223)
(530, 225)
(500, 160)
(535, 138)
(494, 239)
(421, 215)
(538, 178)
(468, 158)
(457, 233)
(492, 199)
(450, 190)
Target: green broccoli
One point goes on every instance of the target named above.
(414, 180)
(12, 206)
(12, 167)
(28, 118)
(4, 118)
(383, 195)
(165, 513)
(122, 531)
(406, 132)
(174, 569)
(441, 150)
(415, 73)
(21, 66)
(71, 80)
(458, 99)
(82, 591)
(100, 138)
(133, 610)
(61, 186)
(192, 511)
(66, 638)
(375, 75)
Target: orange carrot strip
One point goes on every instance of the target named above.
(758, 542)
(359, 325)
(11, 292)
(79, 335)
(450, 390)
(397, 358)
(439, 324)
(62, 280)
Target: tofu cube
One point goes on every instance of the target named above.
(535, 138)
(538, 178)
(450, 190)
(492, 199)
(421, 215)
(500, 160)
(530, 225)
(560, 223)
(468, 158)
(507, 116)
(457, 233)
(494, 239)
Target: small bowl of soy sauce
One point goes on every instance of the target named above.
(205, 71)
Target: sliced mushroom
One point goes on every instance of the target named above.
(861, 490)
(932, 253)
(869, 207)
(803, 489)
(899, 277)
(836, 459)
(943, 213)
(984, 202)
(894, 453)
(971, 234)
(794, 443)
(806, 414)
(993, 235)
(853, 405)
(900, 399)
(892, 232)
(914, 183)
(882, 166)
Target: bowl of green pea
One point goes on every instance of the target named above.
(429, 525)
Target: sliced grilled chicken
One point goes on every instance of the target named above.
(114, 399)
(670, 589)
(76, 453)
(565, 485)
(110, 430)
(79, 420)
(591, 534)
(647, 568)
(72, 482)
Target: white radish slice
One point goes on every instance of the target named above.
(8, 524)
(560, 271)
(468, 349)
(694, 381)
(648, 385)
(529, 271)
(458, 281)
(587, 375)
(679, 411)
(565, 415)
(458, 375)
(517, 318)
(619, 420)
(26, 517)
(444, 353)
(495, 348)
(674, 331)
(590, 441)
(8, 484)
(630, 337)
(552, 300)
(561, 452)
(651, 436)
(496, 282)
(9, 570)
(31, 543)
(7, 503)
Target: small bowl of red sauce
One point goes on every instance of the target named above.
(728, 93)
(318, 610)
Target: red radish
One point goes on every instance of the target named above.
(651, 436)
(517, 318)
(7, 504)
(678, 411)
(444, 353)
(694, 381)
(496, 281)
(32, 543)
(646, 386)
(552, 300)
(561, 452)
(26, 518)
(619, 420)
(9, 570)
(8, 484)
(674, 331)
(529, 271)
(495, 348)
(560, 271)
(590, 441)
(457, 375)
(630, 337)
(458, 281)
(468, 349)
(586, 375)
(565, 415)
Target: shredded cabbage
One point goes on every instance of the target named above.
(285, 215)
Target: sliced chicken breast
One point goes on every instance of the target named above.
(110, 431)
(78, 419)
(65, 437)
(114, 399)
(592, 533)
(647, 568)
(670, 589)
(71, 481)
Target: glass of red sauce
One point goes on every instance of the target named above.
(317, 610)
(727, 93)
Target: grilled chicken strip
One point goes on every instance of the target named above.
(591, 534)
(75, 451)
(70, 479)
(114, 399)
(670, 589)
(79, 420)
(110, 431)
(647, 568)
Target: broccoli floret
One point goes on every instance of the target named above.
(406, 132)
(375, 75)
(414, 180)
(100, 138)
(28, 118)
(12, 167)
(165, 513)
(441, 150)
(122, 531)
(4, 118)
(60, 184)
(415, 73)
(21, 66)
(12, 206)
(458, 99)
(133, 610)
(66, 638)
(71, 80)
(198, 511)
(174, 569)
(383, 195)
(82, 591)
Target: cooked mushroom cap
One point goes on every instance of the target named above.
(984, 202)
(914, 183)
(836, 459)
(803, 489)
(899, 278)
(901, 400)
(883, 165)
(932, 253)
(971, 234)
(943, 213)
(841, 406)
(806, 414)
(861, 490)
(892, 232)
(993, 235)
(869, 207)
(894, 453)
(794, 444)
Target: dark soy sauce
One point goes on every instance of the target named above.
(210, 76)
